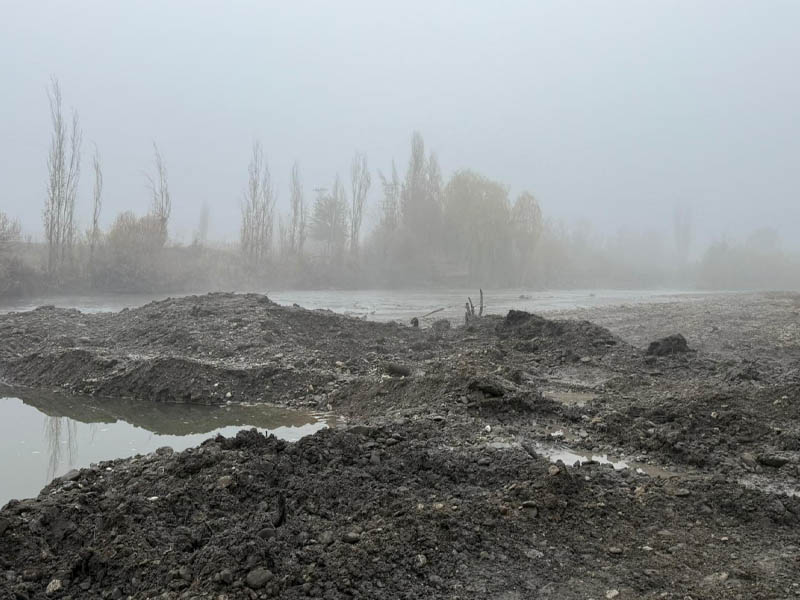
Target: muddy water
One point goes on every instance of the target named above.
(570, 457)
(44, 436)
(385, 305)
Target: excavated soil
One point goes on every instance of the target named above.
(442, 485)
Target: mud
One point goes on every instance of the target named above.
(443, 485)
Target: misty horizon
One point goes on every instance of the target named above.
(612, 115)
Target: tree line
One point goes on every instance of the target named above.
(428, 229)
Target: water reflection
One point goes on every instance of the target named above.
(54, 429)
(43, 435)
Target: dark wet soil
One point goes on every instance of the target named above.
(441, 486)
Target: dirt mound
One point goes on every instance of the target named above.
(542, 333)
(440, 489)
(396, 511)
(672, 344)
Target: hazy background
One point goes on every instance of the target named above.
(611, 112)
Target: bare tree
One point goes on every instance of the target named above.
(329, 220)
(63, 170)
(297, 219)
(257, 209)
(421, 197)
(97, 205)
(161, 206)
(360, 180)
(526, 229)
(201, 235)
(434, 181)
(9, 232)
(683, 232)
(390, 206)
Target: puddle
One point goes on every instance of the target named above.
(763, 484)
(570, 458)
(570, 398)
(43, 435)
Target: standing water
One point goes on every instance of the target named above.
(43, 436)
(385, 305)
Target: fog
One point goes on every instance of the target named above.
(616, 116)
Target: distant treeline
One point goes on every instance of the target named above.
(430, 232)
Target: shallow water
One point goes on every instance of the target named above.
(385, 305)
(43, 436)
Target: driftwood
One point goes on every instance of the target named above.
(469, 308)
(433, 312)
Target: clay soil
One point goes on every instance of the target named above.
(444, 482)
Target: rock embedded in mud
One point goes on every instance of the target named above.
(258, 578)
(773, 460)
(54, 587)
(71, 475)
(351, 537)
(225, 576)
(224, 482)
(672, 344)
(397, 370)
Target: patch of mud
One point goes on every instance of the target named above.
(398, 511)
(425, 497)
(765, 484)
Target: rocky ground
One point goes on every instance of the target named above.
(444, 485)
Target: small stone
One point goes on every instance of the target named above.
(553, 470)
(258, 578)
(266, 533)
(225, 576)
(71, 475)
(484, 461)
(488, 429)
(397, 370)
(715, 578)
(326, 538)
(116, 594)
(351, 537)
(228, 395)
(773, 460)
(225, 482)
(375, 458)
(420, 560)
(682, 492)
(610, 594)
(54, 587)
(750, 461)
(185, 573)
(614, 550)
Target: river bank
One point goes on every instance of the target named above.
(445, 484)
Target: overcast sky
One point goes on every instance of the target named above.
(612, 112)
